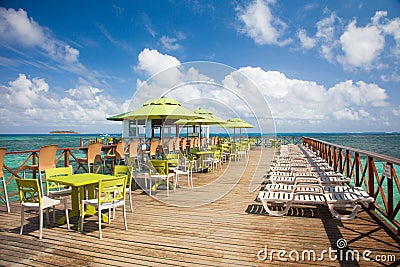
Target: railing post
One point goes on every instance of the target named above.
(340, 155)
(334, 159)
(347, 160)
(371, 178)
(34, 162)
(66, 157)
(390, 191)
(357, 168)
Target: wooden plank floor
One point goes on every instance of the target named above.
(218, 223)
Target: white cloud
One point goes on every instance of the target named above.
(306, 42)
(361, 45)
(16, 26)
(346, 114)
(355, 46)
(359, 94)
(152, 61)
(326, 36)
(292, 99)
(27, 102)
(261, 25)
(17, 29)
(148, 24)
(170, 43)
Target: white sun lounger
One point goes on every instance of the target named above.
(333, 197)
(322, 179)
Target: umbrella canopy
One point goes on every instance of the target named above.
(236, 123)
(205, 118)
(159, 108)
(119, 117)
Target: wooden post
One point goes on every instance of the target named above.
(66, 157)
(347, 163)
(357, 168)
(34, 162)
(371, 178)
(390, 191)
(340, 154)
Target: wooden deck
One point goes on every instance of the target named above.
(218, 223)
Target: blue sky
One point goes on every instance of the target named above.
(319, 66)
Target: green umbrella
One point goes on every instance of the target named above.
(207, 118)
(157, 109)
(119, 117)
(236, 123)
(160, 108)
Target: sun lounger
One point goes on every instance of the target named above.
(333, 197)
(317, 178)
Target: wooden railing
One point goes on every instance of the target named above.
(65, 158)
(360, 166)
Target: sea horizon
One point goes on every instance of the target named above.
(226, 134)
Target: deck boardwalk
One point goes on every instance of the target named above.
(215, 224)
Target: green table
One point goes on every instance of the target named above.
(78, 182)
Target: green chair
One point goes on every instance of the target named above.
(111, 194)
(158, 170)
(121, 170)
(173, 161)
(31, 198)
(54, 189)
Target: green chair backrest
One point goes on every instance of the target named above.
(217, 154)
(121, 170)
(158, 166)
(131, 163)
(56, 172)
(29, 191)
(112, 189)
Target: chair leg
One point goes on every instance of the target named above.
(130, 200)
(125, 222)
(66, 212)
(22, 220)
(82, 215)
(41, 223)
(41, 183)
(167, 186)
(5, 194)
(99, 222)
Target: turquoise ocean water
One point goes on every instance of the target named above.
(382, 143)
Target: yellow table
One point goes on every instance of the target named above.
(78, 183)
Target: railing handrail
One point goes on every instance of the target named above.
(360, 151)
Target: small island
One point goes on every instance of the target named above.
(64, 132)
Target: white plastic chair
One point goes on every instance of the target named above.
(31, 198)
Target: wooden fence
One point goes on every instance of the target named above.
(360, 166)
